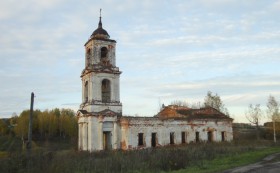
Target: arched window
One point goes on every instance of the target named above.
(88, 54)
(86, 92)
(104, 52)
(88, 51)
(106, 91)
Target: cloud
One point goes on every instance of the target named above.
(29, 9)
(168, 50)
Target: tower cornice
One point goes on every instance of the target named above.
(101, 39)
(87, 71)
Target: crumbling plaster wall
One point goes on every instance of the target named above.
(131, 127)
(95, 51)
(91, 130)
(94, 92)
(126, 129)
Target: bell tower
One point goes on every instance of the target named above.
(101, 76)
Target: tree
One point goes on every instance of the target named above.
(273, 112)
(180, 103)
(43, 124)
(65, 122)
(194, 105)
(22, 123)
(13, 119)
(48, 124)
(4, 129)
(21, 128)
(215, 101)
(254, 115)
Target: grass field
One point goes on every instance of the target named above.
(59, 156)
(227, 162)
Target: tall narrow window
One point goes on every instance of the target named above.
(172, 135)
(197, 136)
(140, 139)
(183, 137)
(154, 139)
(210, 136)
(223, 136)
(106, 91)
(86, 92)
(104, 56)
(104, 52)
(88, 54)
(88, 51)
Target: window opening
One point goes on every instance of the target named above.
(183, 137)
(210, 136)
(223, 136)
(197, 136)
(104, 56)
(104, 52)
(140, 139)
(172, 137)
(88, 57)
(106, 91)
(154, 140)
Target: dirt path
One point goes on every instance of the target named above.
(270, 164)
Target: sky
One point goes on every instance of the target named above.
(166, 51)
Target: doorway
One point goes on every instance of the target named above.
(107, 140)
(210, 136)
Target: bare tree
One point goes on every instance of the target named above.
(273, 112)
(254, 115)
(180, 103)
(216, 102)
(196, 105)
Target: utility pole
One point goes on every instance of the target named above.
(274, 134)
(29, 143)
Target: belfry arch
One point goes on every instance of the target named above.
(104, 52)
(105, 91)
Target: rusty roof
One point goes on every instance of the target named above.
(182, 112)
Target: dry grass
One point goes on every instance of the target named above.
(148, 160)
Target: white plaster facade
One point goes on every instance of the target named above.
(164, 127)
(102, 126)
(124, 131)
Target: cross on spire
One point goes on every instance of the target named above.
(100, 23)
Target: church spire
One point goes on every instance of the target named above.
(100, 32)
(100, 22)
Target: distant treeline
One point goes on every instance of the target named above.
(48, 124)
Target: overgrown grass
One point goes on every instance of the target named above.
(188, 158)
(228, 162)
(10, 144)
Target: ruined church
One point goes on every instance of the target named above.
(100, 120)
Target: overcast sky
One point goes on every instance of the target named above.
(166, 51)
